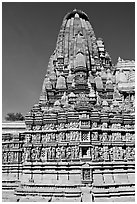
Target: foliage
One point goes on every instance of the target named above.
(14, 117)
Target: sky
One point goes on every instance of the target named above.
(29, 34)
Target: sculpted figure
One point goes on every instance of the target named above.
(28, 138)
(76, 152)
(10, 157)
(33, 154)
(58, 153)
(105, 137)
(95, 135)
(133, 153)
(44, 154)
(98, 82)
(50, 153)
(94, 125)
(68, 152)
(63, 152)
(111, 154)
(86, 174)
(105, 155)
(4, 157)
(91, 78)
(116, 93)
(121, 153)
(73, 152)
(96, 153)
(64, 99)
(53, 152)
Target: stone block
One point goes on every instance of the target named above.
(108, 178)
(75, 178)
(124, 199)
(98, 179)
(63, 178)
(120, 178)
(103, 199)
(131, 177)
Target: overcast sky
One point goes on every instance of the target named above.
(29, 34)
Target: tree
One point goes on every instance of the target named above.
(14, 117)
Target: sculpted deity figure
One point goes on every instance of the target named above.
(86, 174)
(53, 152)
(10, 157)
(133, 153)
(4, 157)
(92, 92)
(94, 125)
(98, 81)
(37, 153)
(106, 153)
(111, 153)
(73, 152)
(121, 153)
(28, 138)
(44, 155)
(96, 153)
(63, 152)
(76, 152)
(68, 152)
(89, 84)
(64, 99)
(73, 83)
(50, 153)
(28, 154)
(116, 93)
(33, 154)
(68, 136)
(58, 153)
(47, 84)
(105, 136)
(53, 136)
(95, 135)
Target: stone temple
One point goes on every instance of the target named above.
(79, 142)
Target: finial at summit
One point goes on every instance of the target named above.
(76, 15)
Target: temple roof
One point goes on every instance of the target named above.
(78, 12)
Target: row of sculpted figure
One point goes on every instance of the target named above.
(77, 136)
(73, 125)
(62, 136)
(53, 137)
(52, 126)
(51, 153)
(114, 136)
(72, 152)
(10, 157)
(113, 154)
(9, 146)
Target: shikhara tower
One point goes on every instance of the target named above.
(79, 139)
(77, 60)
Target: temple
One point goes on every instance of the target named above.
(79, 142)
